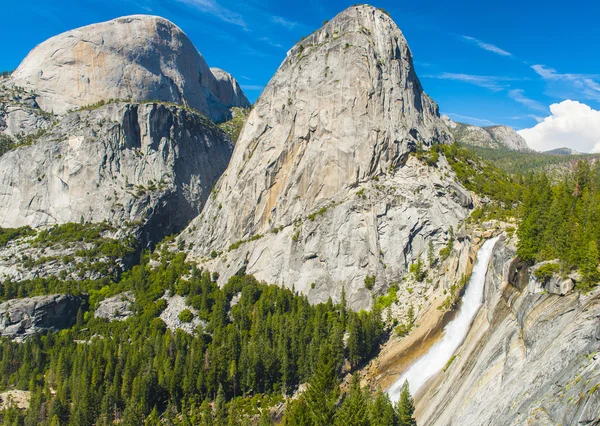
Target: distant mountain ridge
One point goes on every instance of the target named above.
(498, 137)
(563, 151)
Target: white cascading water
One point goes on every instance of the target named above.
(454, 333)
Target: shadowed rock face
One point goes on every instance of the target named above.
(138, 58)
(344, 107)
(149, 164)
(530, 358)
(21, 318)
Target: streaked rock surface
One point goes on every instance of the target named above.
(321, 190)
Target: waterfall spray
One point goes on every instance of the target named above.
(454, 333)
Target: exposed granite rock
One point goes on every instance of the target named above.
(148, 164)
(20, 260)
(321, 180)
(140, 58)
(228, 90)
(116, 308)
(20, 115)
(555, 284)
(20, 318)
(488, 137)
(15, 398)
(175, 305)
(529, 358)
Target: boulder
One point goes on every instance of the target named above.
(117, 308)
(20, 318)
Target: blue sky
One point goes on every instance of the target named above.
(504, 63)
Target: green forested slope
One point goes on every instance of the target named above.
(266, 344)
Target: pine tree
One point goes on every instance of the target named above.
(431, 254)
(296, 413)
(354, 410)
(220, 408)
(323, 390)
(207, 415)
(406, 408)
(589, 265)
(382, 410)
(354, 339)
(265, 418)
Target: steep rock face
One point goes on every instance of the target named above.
(345, 107)
(146, 164)
(228, 90)
(20, 318)
(488, 137)
(529, 358)
(138, 58)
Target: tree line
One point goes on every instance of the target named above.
(562, 221)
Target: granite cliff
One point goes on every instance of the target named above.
(322, 190)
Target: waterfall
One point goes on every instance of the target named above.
(454, 333)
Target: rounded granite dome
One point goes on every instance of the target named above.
(139, 57)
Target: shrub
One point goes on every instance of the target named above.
(445, 252)
(545, 272)
(417, 270)
(6, 144)
(319, 212)
(402, 329)
(388, 299)
(186, 316)
(9, 234)
(369, 282)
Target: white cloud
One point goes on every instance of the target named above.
(479, 121)
(487, 46)
(489, 82)
(518, 95)
(270, 42)
(284, 22)
(572, 125)
(566, 85)
(211, 7)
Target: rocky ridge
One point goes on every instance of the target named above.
(498, 137)
(321, 191)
